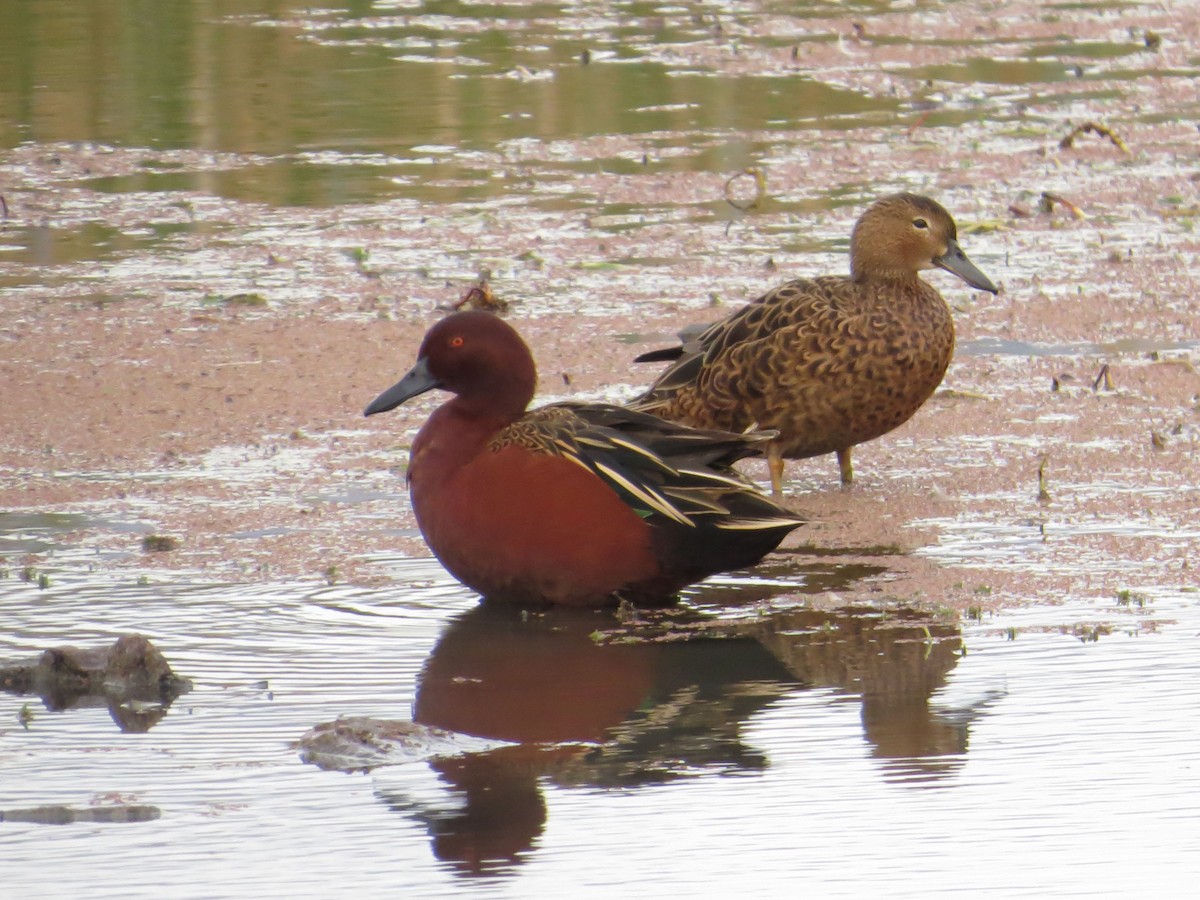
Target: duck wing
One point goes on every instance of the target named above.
(667, 472)
(806, 304)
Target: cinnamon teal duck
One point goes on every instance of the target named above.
(828, 362)
(582, 504)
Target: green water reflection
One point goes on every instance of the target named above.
(261, 77)
(994, 71)
(290, 105)
(1085, 50)
(43, 245)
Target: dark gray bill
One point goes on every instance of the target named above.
(417, 381)
(954, 260)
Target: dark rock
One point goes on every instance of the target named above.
(131, 677)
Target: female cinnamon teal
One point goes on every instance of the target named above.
(582, 504)
(828, 362)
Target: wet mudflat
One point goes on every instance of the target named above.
(959, 676)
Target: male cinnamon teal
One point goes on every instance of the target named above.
(572, 503)
(828, 362)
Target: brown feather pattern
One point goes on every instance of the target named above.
(829, 362)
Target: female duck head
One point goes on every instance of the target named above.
(475, 355)
(900, 235)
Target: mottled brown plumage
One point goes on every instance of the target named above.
(828, 362)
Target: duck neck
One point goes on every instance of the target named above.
(500, 400)
(478, 415)
(883, 276)
(475, 425)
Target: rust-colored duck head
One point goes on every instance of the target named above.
(475, 355)
(903, 234)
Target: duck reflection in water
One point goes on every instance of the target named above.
(894, 660)
(579, 711)
(581, 706)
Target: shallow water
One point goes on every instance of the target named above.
(766, 735)
(850, 751)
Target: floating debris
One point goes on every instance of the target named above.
(130, 676)
(626, 613)
(67, 815)
(244, 299)
(361, 743)
(959, 394)
(480, 296)
(1050, 200)
(984, 226)
(359, 256)
(760, 189)
(1097, 129)
(1090, 634)
(1043, 492)
(524, 73)
(159, 543)
(1126, 597)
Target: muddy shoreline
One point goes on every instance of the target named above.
(242, 436)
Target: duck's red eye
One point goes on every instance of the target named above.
(456, 341)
